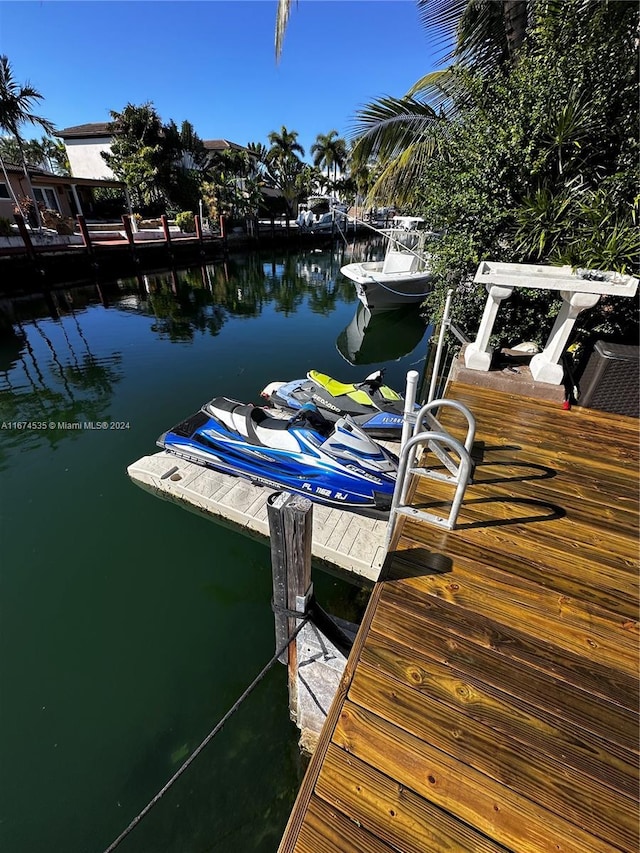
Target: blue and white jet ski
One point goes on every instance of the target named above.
(373, 406)
(331, 463)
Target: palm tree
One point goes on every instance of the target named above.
(16, 103)
(485, 33)
(324, 151)
(285, 144)
(402, 132)
(284, 165)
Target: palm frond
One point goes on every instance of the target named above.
(478, 33)
(439, 89)
(387, 126)
(394, 185)
(282, 19)
(482, 37)
(442, 17)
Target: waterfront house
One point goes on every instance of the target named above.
(63, 194)
(85, 144)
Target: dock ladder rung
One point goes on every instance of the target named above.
(433, 475)
(429, 517)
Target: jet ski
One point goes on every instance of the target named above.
(332, 463)
(371, 404)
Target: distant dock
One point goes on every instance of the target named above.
(32, 260)
(346, 540)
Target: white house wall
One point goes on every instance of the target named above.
(85, 160)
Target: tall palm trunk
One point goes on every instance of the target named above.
(30, 191)
(8, 182)
(515, 13)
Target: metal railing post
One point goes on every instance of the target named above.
(409, 406)
(436, 364)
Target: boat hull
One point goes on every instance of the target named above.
(381, 291)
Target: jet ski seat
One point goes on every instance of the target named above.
(339, 389)
(259, 428)
(267, 431)
(252, 423)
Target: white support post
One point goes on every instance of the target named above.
(134, 224)
(478, 354)
(545, 366)
(76, 198)
(409, 406)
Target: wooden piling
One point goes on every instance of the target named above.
(86, 236)
(128, 230)
(198, 224)
(290, 528)
(223, 232)
(167, 234)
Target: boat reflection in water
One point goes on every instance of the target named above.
(373, 337)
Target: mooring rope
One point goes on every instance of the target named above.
(209, 737)
(284, 611)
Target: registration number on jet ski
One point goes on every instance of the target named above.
(325, 493)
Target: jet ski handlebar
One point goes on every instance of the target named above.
(374, 381)
(310, 415)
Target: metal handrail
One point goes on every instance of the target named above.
(425, 414)
(444, 325)
(461, 479)
(444, 446)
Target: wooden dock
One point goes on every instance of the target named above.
(344, 539)
(490, 702)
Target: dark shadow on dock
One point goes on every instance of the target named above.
(538, 472)
(414, 563)
(545, 511)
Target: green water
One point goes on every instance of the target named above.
(129, 625)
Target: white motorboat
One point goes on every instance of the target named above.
(403, 276)
(318, 214)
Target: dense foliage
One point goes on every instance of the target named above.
(44, 153)
(160, 164)
(534, 160)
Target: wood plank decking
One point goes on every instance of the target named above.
(490, 702)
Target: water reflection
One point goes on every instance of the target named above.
(49, 367)
(51, 377)
(133, 698)
(372, 337)
(200, 298)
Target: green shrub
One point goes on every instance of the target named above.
(186, 222)
(5, 227)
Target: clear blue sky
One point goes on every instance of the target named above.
(212, 62)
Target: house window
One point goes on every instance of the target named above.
(4, 191)
(47, 197)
